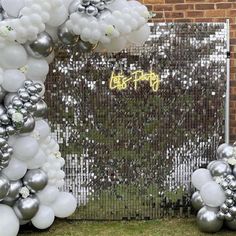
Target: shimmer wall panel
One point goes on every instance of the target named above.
(133, 126)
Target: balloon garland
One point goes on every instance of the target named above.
(215, 198)
(30, 161)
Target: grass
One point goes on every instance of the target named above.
(167, 227)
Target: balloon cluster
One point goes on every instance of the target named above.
(30, 161)
(216, 195)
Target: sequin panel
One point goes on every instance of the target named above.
(130, 152)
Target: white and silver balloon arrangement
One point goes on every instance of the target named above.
(30, 162)
(215, 198)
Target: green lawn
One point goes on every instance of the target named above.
(171, 227)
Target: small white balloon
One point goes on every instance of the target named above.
(140, 36)
(25, 148)
(48, 195)
(9, 223)
(13, 80)
(15, 170)
(12, 7)
(38, 160)
(13, 56)
(200, 177)
(65, 205)
(212, 194)
(37, 69)
(58, 16)
(116, 44)
(43, 129)
(44, 217)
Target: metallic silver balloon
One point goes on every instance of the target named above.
(14, 192)
(221, 215)
(8, 99)
(28, 126)
(86, 46)
(232, 210)
(91, 11)
(42, 47)
(220, 150)
(228, 216)
(224, 208)
(224, 185)
(207, 220)
(4, 186)
(26, 208)
(2, 110)
(35, 180)
(227, 152)
(232, 185)
(229, 193)
(85, 2)
(41, 109)
(229, 202)
(219, 168)
(231, 224)
(234, 171)
(66, 36)
(197, 201)
(2, 94)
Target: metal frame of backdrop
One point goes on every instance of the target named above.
(133, 126)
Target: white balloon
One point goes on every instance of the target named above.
(37, 69)
(140, 36)
(200, 177)
(13, 80)
(65, 205)
(44, 217)
(38, 160)
(42, 127)
(58, 16)
(116, 44)
(13, 56)
(9, 223)
(48, 195)
(212, 194)
(15, 170)
(25, 148)
(12, 7)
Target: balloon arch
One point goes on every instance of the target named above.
(30, 161)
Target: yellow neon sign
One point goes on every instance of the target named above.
(120, 81)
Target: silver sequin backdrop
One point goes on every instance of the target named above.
(130, 153)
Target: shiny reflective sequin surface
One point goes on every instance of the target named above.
(130, 152)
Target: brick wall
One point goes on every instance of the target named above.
(203, 11)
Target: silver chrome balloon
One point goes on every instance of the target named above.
(231, 224)
(29, 125)
(42, 47)
(224, 208)
(220, 150)
(4, 186)
(232, 210)
(197, 201)
(86, 46)
(85, 2)
(221, 215)
(35, 180)
(74, 6)
(2, 110)
(2, 94)
(14, 191)
(219, 168)
(91, 11)
(8, 99)
(26, 208)
(41, 109)
(66, 36)
(228, 216)
(227, 152)
(224, 185)
(207, 220)
(229, 202)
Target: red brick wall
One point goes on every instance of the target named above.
(203, 11)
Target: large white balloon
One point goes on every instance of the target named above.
(43, 129)
(25, 148)
(13, 56)
(65, 205)
(13, 80)
(200, 177)
(116, 44)
(12, 7)
(9, 223)
(44, 217)
(140, 36)
(48, 195)
(37, 69)
(15, 170)
(212, 194)
(38, 160)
